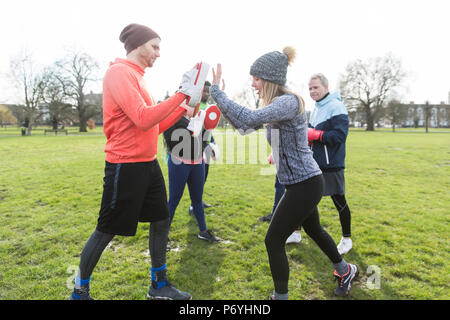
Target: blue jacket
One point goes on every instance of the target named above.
(330, 115)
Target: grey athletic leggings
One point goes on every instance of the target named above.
(92, 251)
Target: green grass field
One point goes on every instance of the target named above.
(398, 189)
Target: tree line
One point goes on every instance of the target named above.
(58, 90)
(367, 87)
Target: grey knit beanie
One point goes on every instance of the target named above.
(272, 66)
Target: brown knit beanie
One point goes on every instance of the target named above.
(135, 35)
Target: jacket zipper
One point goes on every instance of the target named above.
(326, 153)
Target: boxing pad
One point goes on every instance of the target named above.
(198, 82)
(212, 117)
(196, 123)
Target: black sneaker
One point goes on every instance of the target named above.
(167, 292)
(162, 289)
(208, 236)
(345, 281)
(266, 218)
(206, 205)
(81, 294)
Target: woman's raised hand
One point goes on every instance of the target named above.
(217, 74)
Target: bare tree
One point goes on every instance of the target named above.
(366, 85)
(59, 110)
(75, 71)
(30, 82)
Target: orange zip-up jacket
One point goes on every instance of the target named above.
(132, 120)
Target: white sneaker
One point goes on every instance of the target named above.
(196, 123)
(345, 245)
(295, 237)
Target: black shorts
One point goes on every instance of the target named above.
(132, 193)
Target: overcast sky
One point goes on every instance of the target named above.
(326, 34)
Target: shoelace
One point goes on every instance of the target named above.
(341, 278)
(82, 292)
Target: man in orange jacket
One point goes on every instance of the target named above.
(134, 188)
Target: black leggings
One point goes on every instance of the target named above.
(92, 251)
(297, 207)
(344, 213)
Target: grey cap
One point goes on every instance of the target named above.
(271, 67)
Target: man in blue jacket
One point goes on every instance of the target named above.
(328, 128)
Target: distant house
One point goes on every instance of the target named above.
(438, 116)
(411, 115)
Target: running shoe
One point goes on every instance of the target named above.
(266, 218)
(345, 245)
(295, 237)
(345, 280)
(81, 294)
(206, 205)
(167, 292)
(208, 236)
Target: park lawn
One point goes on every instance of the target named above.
(397, 189)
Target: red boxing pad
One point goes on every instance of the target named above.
(212, 117)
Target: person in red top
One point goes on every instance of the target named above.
(134, 188)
